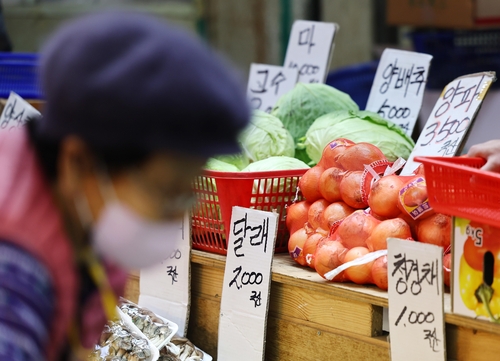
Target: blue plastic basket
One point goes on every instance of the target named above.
(355, 80)
(457, 53)
(19, 73)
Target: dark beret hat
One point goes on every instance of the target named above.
(129, 80)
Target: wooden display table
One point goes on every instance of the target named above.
(312, 319)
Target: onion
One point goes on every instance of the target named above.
(334, 213)
(332, 151)
(350, 189)
(296, 246)
(296, 215)
(315, 213)
(384, 196)
(396, 228)
(356, 228)
(361, 274)
(309, 184)
(329, 184)
(435, 229)
(447, 269)
(379, 273)
(329, 255)
(310, 247)
(356, 156)
(411, 222)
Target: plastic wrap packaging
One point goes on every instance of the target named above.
(121, 340)
(181, 349)
(157, 329)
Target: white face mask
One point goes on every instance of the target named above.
(132, 242)
(125, 238)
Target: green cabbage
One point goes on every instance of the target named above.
(301, 106)
(264, 186)
(275, 163)
(240, 160)
(265, 137)
(218, 165)
(357, 126)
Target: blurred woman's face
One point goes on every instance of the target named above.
(158, 189)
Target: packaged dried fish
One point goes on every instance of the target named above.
(180, 349)
(122, 341)
(157, 329)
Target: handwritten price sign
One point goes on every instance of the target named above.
(309, 49)
(164, 288)
(451, 118)
(398, 88)
(267, 83)
(247, 280)
(16, 112)
(416, 316)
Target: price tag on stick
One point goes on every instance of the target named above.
(448, 125)
(16, 112)
(416, 310)
(398, 88)
(309, 49)
(267, 83)
(165, 287)
(247, 281)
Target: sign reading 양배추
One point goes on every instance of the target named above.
(398, 88)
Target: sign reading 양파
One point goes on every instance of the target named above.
(309, 49)
(16, 112)
(416, 310)
(247, 282)
(451, 118)
(398, 88)
(267, 83)
(165, 287)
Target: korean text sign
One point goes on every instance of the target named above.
(309, 49)
(16, 112)
(398, 88)
(247, 281)
(451, 118)
(165, 287)
(267, 83)
(416, 311)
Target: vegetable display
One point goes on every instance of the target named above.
(305, 103)
(354, 201)
(266, 137)
(357, 126)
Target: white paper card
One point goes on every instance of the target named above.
(247, 281)
(267, 83)
(398, 88)
(16, 112)
(309, 49)
(416, 302)
(451, 118)
(165, 287)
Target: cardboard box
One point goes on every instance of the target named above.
(454, 14)
(476, 269)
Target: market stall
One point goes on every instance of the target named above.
(310, 318)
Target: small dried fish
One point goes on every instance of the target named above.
(118, 343)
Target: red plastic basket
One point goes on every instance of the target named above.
(218, 192)
(457, 186)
